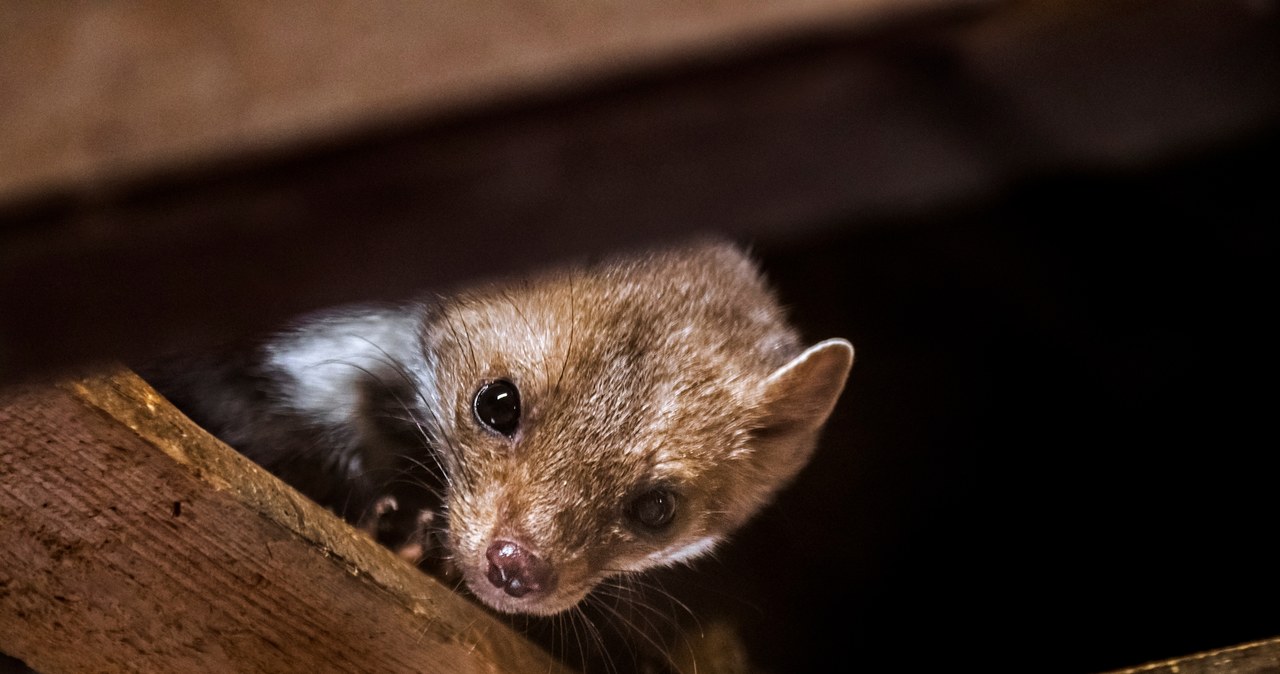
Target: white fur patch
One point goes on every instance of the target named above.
(329, 357)
(685, 552)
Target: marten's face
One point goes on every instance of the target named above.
(597, 431)
(577, 458)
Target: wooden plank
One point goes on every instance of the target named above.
(130, 540)
(1260, 657)
(96, 92)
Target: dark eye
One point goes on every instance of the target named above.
(653, 509)
(497, 405)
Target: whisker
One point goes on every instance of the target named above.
(573, 332)
(645, 634)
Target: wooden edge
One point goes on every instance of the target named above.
(1259, 657)
(130, 539)
(126, 398)
(184, 87)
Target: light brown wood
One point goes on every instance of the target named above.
(96, 92)
(130, 540)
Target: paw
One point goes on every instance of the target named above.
(376, 519)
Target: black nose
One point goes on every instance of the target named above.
(516, 570)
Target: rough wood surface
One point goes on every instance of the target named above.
(130, 540)
(1261, 657)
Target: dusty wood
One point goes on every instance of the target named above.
(130, 540)
(97, 91)
(339, 177)
(1261, 657)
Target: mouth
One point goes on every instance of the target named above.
(542, 602)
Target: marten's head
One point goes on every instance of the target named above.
(609, 420)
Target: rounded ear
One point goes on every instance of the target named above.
(799, 396)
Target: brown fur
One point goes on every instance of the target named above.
(677, 368)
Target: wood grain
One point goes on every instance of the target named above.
(130, 540)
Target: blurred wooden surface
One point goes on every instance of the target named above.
(130, 540)
(101, 91)
(171, 177)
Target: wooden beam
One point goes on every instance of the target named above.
(98, 93)
(1260, 657)
(130, 540)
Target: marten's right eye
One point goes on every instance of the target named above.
(497, 405)
(652, 509)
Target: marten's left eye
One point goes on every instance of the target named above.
(497, 405)
(653, 509)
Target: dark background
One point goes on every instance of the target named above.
(1056, 451)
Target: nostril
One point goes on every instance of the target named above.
(516, 570)
(503, 559)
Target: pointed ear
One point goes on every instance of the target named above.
(800, 395)
(794, 403)
(797, 399)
